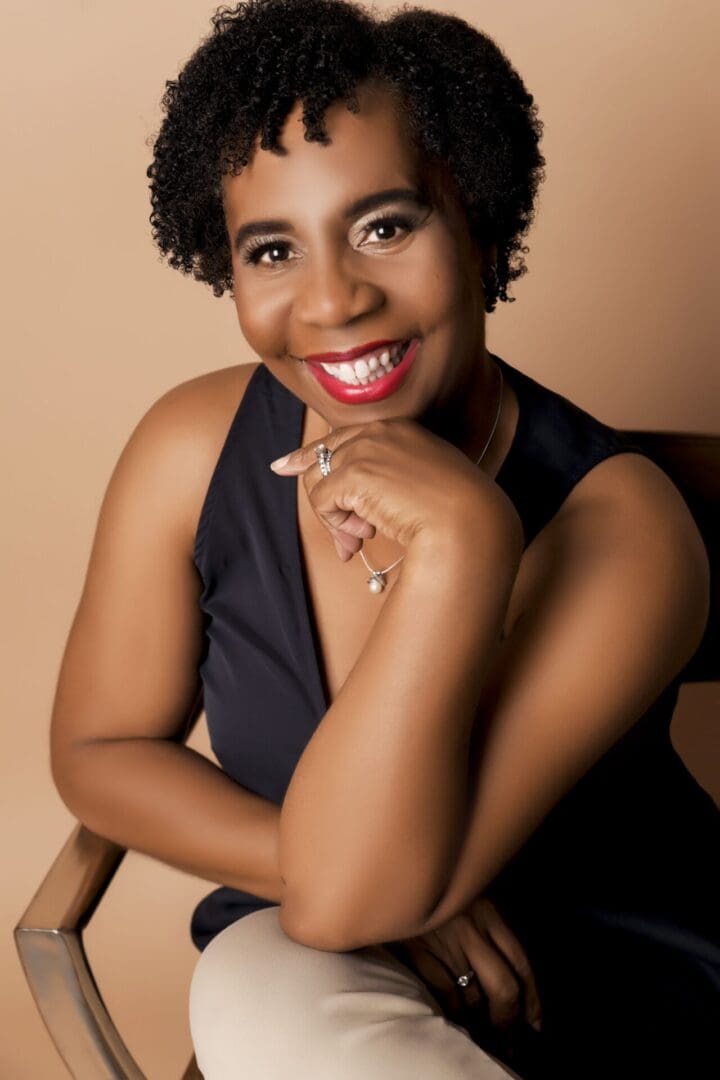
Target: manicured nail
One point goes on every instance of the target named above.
(279, 462)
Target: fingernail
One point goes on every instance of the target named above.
(279, 462)
(537, 1024)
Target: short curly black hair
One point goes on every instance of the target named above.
(465, 107)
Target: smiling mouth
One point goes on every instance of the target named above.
(368, 369)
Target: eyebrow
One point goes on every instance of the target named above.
(360, 206)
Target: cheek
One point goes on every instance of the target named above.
(433, 277)
(262, 320)
(434, 292)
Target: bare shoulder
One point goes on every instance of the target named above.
(138, 626)
(188, 425)
(628, 519)
(632, 492)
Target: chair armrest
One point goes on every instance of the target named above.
(49, 942)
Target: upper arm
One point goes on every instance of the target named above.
(621, 608)
(130, 665)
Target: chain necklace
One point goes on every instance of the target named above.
(376, 582)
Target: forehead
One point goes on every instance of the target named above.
(369, 150)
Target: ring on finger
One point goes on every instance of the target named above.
(464, 980)
(323, 454)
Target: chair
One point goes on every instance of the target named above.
(49, 934)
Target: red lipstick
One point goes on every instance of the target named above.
(351, 354)
(377, 390)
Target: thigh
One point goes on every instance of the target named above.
(262, 1005)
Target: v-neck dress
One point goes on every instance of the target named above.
(616, 895)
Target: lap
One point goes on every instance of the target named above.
(264, 1005)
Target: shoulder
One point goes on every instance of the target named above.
(626, 531)
(630, 492)
(180, 436)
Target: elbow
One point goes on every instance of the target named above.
(313, 933)
(326, 931)
(66, 789)
(70, 779)
(71, 799)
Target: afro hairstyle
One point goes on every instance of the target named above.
(463, 105)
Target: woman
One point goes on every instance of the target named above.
(439, 646)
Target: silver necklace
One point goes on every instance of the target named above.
(376, 582)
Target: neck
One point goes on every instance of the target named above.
(466, 419)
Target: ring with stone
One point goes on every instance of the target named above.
(463, 980)
(323, 454)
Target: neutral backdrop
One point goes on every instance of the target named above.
(618, 312)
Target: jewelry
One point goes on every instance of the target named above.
(323, 453)
(376, 582)
(463, 980)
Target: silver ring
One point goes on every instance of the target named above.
(463, 980)
(323, 455)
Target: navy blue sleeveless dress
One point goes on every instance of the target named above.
(616, 895)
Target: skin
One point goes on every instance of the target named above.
(331, 285)
(138, 625)
(322, 285)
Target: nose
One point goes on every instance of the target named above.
(331, 293)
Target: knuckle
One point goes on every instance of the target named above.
(522, 966)
(506, 993)
(504, 1012)
(464, 923)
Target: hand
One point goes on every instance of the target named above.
(477, 940)
(397, 477)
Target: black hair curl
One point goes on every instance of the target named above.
(465, 107)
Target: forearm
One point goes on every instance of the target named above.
(371, 823)
(168, 801)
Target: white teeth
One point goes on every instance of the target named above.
(366, 369)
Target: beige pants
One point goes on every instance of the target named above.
(263, 1007)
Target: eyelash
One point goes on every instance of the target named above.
(255, 249)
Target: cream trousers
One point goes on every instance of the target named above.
(263, 1007)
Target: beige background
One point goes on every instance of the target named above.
(618, 312)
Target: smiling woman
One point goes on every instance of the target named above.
(472, 764)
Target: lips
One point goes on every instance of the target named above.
(351, 354)
(374, 391)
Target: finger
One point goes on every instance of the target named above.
(456, 999)
(433, 972)
(301, 458)
(324, 495)
(346, 546)
(512, 949)
(357, 526)
(471, 996)
(343, 552)
(497, 978)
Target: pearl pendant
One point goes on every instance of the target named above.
(376, 583)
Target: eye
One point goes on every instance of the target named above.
(258, 247)
(391, 221)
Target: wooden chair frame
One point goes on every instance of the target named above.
(49, 934)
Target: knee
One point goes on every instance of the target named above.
(227, 1013)
(234, 964)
